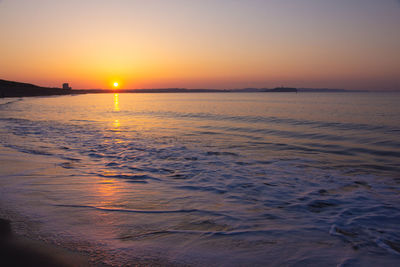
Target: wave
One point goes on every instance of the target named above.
(228, 181)
(275, 120)
(8, 103)
(136, 211)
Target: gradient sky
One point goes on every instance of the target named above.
(350, 44)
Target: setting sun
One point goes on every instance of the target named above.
(116, 84)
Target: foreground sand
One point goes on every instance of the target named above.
(19, 251)
(20, 244)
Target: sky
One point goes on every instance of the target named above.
(346, 44)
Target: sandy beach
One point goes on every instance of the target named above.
(20, 251)
(18, 247)
(24, 239)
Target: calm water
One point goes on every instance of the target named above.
(208, 179)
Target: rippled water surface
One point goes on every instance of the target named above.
(208, 179)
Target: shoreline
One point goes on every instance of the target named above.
(25, 240)
(79, 185)
(16, 250)
(18, 245)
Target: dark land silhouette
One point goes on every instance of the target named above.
(18, 89)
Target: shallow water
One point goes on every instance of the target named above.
(208, 179)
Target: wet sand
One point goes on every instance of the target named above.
(19, 251)
(21, 244)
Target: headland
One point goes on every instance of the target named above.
(18, 89)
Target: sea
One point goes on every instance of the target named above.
(206, 179)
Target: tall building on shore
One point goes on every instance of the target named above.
(66, 86)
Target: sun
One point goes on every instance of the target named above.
(116, 84)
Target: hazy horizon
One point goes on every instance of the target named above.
(202, 44)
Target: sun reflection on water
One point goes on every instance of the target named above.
(116, 102)
(116, 124)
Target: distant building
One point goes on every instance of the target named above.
(66, 86)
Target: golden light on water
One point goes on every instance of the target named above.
(116, 124)
(116, 102)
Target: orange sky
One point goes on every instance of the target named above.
(201, 44)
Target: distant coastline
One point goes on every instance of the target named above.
(18, 89)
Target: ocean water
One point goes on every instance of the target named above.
(216, 179)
